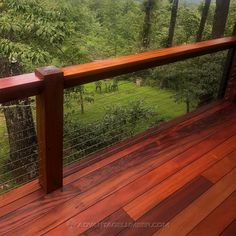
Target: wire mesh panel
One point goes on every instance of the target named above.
(100, 114)
(18, 144)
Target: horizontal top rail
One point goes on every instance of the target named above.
(26, 85)
(85, 73)
(20, 86)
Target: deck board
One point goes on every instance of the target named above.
(230, 230)
(133, 180)
(218, 220)
(112, 225)
(84, 167)
(221, 168)
(149, 199)
(160, 215)
(190, 217)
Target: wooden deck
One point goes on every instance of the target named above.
(178, 179)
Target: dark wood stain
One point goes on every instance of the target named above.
(180, 142)
(230, 230)
(159, 216)
(112, 225)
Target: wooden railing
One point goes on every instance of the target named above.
(48, 85)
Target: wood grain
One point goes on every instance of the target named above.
(218, 220)
(78, 170)
(159, 216)
(19, 192)
(18, 87)
(148, 153)
(144, 136)
(184, 142)
(58, 198)
(230, 230)
(134, 189)
(20, 202)
(80, 74)
(27, 85)
(221, 168)
(185, 221)
(49, 114)
(219, 111)
(148, 200)
(112, 225)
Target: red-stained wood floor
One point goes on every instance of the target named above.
(176, 179)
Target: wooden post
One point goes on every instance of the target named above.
(50, 128)
(230, 93)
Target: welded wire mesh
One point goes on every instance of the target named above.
(18, 144)
(113, 116)
(100, 114)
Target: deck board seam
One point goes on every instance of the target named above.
(196, 113)
(233, 173)
(85, 209)
(185, 120)
(214, 208)
(233, 166)
(27, 195)
(229, 122)
(131, 183)
(180, 171)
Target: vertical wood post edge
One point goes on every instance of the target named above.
(49, 112)
(230, 93)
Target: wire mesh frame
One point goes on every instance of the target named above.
(77, 135)
(30, 137)
(76, 154)
(19, 147)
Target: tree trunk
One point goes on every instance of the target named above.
(220, 18)
(174, 11)
(21, 133)
(203, 20)
(146, 34)
(22, 139)
(187, 105)
(234, 29)
(81, 91)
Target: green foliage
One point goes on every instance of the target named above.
(119, 122)
(60, 32)
(193, 78)
(160, 100)
(187, 25)
(31, 33)
(64, 32)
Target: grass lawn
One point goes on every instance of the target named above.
(160, 101)
(4, 149)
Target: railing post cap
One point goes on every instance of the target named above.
(48, 72)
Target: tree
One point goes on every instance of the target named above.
(220, 18)
(146, 33)
(31, 36)
(174, 11)
(201, 28)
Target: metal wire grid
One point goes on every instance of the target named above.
(73, 141)
(81, 142)
(18, 151)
